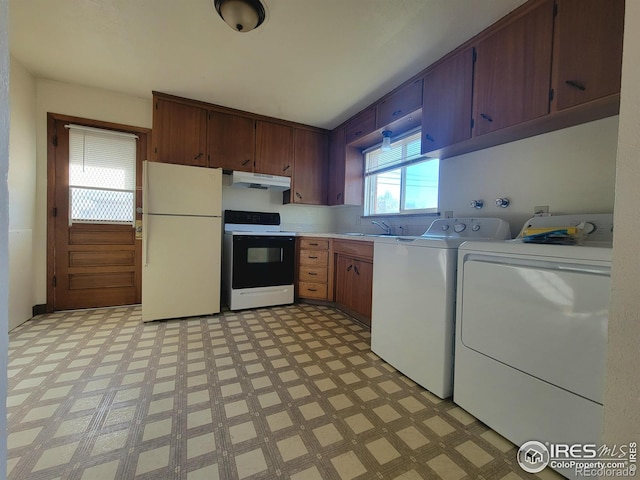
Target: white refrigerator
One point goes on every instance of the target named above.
(181, 241)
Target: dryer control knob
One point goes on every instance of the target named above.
(445, 227)
(459, 227)
(476, 227)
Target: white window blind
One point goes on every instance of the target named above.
(102, 175)
(403, 152)
(401, 180)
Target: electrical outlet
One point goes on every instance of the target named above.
(538, 209)
(448, 214)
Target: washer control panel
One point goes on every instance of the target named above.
(469, 228)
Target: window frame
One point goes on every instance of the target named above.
(369, 192)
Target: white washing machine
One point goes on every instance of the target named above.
(413, 306)
(531, 334)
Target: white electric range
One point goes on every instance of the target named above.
(258, 260)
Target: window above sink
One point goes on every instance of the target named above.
(400, 180)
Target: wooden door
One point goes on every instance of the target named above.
(311, 152)
(446, 113)
(88, 264)
(513, 70)
(587, 51)
(274, 149)
(179, 133)
(231, 141)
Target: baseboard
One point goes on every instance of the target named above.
(39, 309)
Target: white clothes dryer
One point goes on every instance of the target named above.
(531, 333)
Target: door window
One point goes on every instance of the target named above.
(102, 175)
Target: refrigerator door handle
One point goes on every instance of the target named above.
(145, 210)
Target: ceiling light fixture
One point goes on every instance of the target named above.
(241, 15)
(386, 140)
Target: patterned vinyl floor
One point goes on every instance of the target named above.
(289, 392)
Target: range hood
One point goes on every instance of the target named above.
(260, 181)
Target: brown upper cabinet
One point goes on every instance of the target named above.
(336, 183)
(361, 125)
(513, 71)
(400, 104)
(309, 182)
(179, 133)
(274, 149)
(446, 112)
(587, 51)
(231, 141)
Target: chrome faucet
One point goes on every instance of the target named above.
(386, 228)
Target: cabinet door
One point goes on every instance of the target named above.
(309, 183)
(361, 125)
(180, 133)
(231, 141)
(587, 51)
(336, 186)
(446, 112)
(274, 149)
(344, 280)
(513, 71)
(363, 282)
(400, 104)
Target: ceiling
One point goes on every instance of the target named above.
(316, 62)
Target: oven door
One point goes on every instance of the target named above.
(262, 261)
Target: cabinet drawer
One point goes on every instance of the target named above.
(314, 257)
(314, 244)
(312, 290)
(362, 125)
(400, 104)
(354, 248)
(313, 274)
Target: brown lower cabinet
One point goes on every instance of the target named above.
(338, 271)
(313, 268)
(353, 277)
(354, 280)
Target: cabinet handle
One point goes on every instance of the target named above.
(358, 133)
(313, 274)
(349, 268)
(313, 258)
(313, 244)
(486, 117)
(576, 84)
(298, 195)
(286, 168)
(355, 269)
(338, 196)
(396, 113)
(197, 156)
(429, 137)
(246, 161)
(312, 289)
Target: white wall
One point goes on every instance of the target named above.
(4, 226)
(79, 101)
(293, 218)
(570, 170)
(22, 193)
(622, 397)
